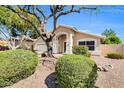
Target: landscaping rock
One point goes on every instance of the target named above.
(105, 68)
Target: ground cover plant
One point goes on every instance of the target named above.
(115, 56)
(16, 65)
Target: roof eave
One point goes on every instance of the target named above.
(80, 31)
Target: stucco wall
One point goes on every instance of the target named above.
(39, 46)
(79, 36)
(65, 29)
(112, 48)
(64, 34)
(29, 44)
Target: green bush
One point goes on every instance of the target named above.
(74, 71)
(112, 40)
(88, 54)
(81, 50)
(16, 65)
(115, 56)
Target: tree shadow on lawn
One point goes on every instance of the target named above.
(50, 81)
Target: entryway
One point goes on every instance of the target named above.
(64, 47)
(63, 42)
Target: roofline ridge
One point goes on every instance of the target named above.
(80, 31)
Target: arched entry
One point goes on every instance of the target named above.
(63, 42)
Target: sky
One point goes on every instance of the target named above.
(105, 18)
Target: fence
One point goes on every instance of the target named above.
(118, 48)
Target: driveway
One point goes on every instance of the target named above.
(44, 75)
(114, 78)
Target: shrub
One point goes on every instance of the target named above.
(112, 40)
(88, 54)
(16, 65)
(81, 50)
(115, 56)
(74, 71)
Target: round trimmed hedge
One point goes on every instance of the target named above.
(74, 71)
(16, 65)
(81, 50)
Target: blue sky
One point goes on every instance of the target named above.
(96, 23)
(107, 17)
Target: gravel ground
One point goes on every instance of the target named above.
(44, 76)
(114, 78)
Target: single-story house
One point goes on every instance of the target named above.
(66, 37)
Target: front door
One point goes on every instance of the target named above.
(64, 47)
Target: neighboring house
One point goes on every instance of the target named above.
(27, 43)
(66, 37)
(3, 43)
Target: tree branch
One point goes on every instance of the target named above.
(25, 18)
(41, 12)
(31, 13)
(21, 41)
(72, 10)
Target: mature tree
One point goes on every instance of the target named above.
(109, 32)
(112, 40)
(13, 28)
(12, 20)
(43, 15)
(13, 38)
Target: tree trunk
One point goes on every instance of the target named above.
(49, 49)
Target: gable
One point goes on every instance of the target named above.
(75, 31)
(64, 29)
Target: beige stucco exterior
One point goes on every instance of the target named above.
(71, 36)
(80, 36)
(39, 46)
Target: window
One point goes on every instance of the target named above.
(89, 44)
(82, 43)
